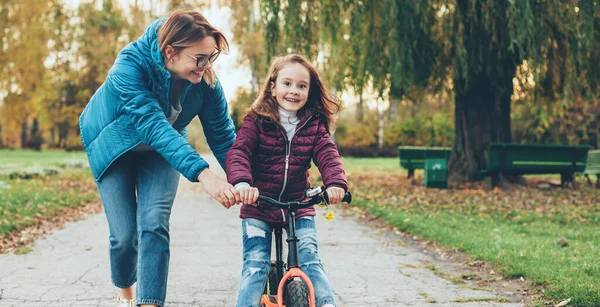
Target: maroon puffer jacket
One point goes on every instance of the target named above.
(261, 158)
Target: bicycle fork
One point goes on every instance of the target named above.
(293, 264)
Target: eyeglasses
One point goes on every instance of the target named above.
(203, 59)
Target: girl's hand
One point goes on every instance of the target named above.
(335, 195)
(218, 189)
(249, 195)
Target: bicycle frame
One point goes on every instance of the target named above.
(294, 270)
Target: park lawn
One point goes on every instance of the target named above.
(549, 237)
(27, 201)
(24, 158)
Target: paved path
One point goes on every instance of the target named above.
(70, 267)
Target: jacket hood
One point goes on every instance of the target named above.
(151, 39)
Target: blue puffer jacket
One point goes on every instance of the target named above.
(131, 106)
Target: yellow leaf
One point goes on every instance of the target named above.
(329, 216)
(564, 303)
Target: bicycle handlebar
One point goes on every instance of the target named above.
(302, 204)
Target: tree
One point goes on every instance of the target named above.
(416, 46)
(360, 42)
(483, 71)
(24, 36)
(99, 37)
(185, 4)
(490, 40)
(57, 91)
(248, 35)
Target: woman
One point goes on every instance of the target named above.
(133, 130)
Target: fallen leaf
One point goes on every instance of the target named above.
(563, 242)
(563, 303)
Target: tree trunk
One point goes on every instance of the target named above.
(381, 116)
(53, 137)
(35, 138)
(254, 82)
(483, 87)
(360, 114)
(63, 133)
(393, 110)
(482, 116)
(254, 62)
(24, 134)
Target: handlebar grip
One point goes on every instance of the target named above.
(347, 197)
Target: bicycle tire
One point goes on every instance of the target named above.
(296, 294)
(272, 281)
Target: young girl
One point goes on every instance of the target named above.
(286, 127)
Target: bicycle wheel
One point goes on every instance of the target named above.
(272, 282)
(296, 294)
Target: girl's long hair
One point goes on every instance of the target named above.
(319, 97)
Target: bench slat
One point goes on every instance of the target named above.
(543, 163)
(535, 158)
(593, 163)
(413, 157)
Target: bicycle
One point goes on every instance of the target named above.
(285, 285)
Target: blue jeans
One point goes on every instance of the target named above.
(137, 193)
(257, 258)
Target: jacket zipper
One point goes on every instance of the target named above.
(288, 152)
(288, 146)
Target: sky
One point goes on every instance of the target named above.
(230, 75)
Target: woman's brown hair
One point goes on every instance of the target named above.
(184, 28)
(319, 97)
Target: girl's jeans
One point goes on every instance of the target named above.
(257, 258)
(137, 193)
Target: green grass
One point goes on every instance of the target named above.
(531, 251)
(369, 164)
(520, 231)
(23, 250)
(28, 200)
(353, 164)
(24, 158)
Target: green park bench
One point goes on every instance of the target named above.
(521, 159)
(593, 167)
(413, 157)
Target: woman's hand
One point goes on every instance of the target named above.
(249, 195)
(218, 189)
(335, 195)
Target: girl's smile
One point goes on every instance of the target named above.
(291, 87)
